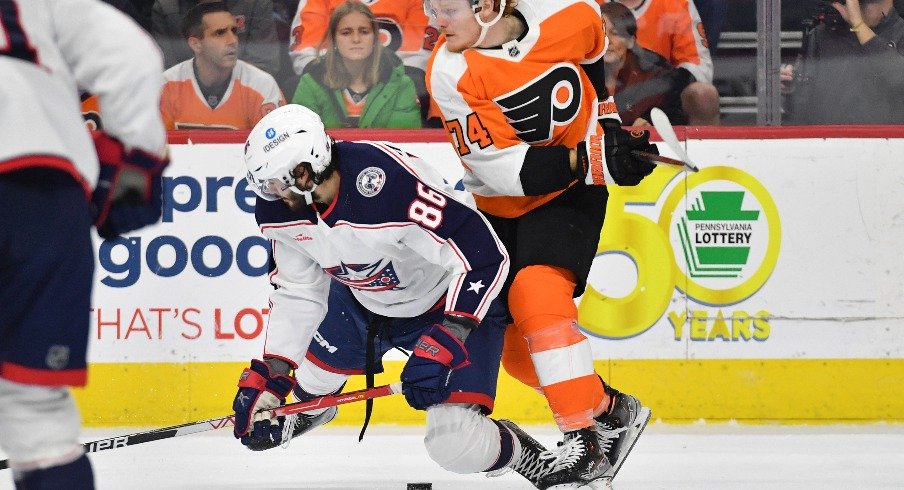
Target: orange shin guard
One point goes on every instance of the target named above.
(541, 295)
(541, 304)
(516, 358)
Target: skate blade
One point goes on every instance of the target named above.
(632, 434)
(601, 483)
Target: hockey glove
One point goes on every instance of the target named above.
(129, 192)
(260, 389)
(613, 148)
(439, 351)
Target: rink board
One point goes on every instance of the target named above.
(811, 391)
(767, 287)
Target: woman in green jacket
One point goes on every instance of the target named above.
(357, 83)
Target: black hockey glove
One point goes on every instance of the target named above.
(439, 351)
(606, 158)
(260, 389)
(129, 191)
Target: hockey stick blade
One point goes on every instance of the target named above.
(227, 421)
(667, 133)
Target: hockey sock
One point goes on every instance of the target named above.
(506, 450)
(543, 308)
(516, 358)
(76, 475)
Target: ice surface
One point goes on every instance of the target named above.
(704, 457)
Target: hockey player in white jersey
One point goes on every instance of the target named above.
(54, 184)
(373, 250)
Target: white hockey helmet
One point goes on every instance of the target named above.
(283, 139)
(434, 8)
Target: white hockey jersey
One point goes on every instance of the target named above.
(49, 50)
(397, 235)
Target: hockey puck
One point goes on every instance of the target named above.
(420, 486)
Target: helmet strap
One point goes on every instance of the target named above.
(308, 194)
(485, 26)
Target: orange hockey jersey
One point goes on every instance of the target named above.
(251, 95)
(673, 29)
(91, 112)
(404, 28)
(497, 102)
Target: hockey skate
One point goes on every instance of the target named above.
(618, 430)
(528, 463)
(578, 462)
(293, 426)
(302, 423)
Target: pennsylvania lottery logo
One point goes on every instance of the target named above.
(716, 234)
(725, 233)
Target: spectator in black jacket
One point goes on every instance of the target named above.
(851, 70)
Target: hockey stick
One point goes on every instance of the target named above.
(659, 159)
(665, 130)
(227, 421)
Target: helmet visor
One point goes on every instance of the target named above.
(276, 188)
(270, 189)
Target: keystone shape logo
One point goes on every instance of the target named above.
(716, 234)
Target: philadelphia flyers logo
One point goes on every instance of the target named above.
(550, 100)
(390, 33)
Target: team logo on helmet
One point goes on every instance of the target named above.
(270, 133)
(370, 181)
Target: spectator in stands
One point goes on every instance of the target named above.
(712, 14)
(641, 79)
(404, 29)
(358, 83)
(673, 29)
(91, 103)
(254, 28)
(283, 16)
(850, 72)
(215, 90)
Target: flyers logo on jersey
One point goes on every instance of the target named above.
(549, 100)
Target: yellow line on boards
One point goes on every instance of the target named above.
(800, 391)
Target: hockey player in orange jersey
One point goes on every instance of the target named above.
(514, 85)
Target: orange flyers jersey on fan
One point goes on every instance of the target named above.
(252, 93)
(497, 102)
(673, 29)
(404, 28)
(91, 112)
